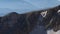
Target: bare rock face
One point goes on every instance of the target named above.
(52, 18)
(14, 23)
(8, 22)
(0, 19)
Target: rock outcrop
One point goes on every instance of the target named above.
(14, 23)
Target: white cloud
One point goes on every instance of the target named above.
(58, 0)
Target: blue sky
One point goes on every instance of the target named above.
(22, 6)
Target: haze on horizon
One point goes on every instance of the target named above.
(22, 6)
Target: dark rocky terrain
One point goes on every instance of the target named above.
(14, 23)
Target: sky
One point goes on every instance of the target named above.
(23, 6)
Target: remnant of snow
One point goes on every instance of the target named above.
(44, 13)
(52, 32)
(58, 11)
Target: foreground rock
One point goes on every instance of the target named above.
(14, 23)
